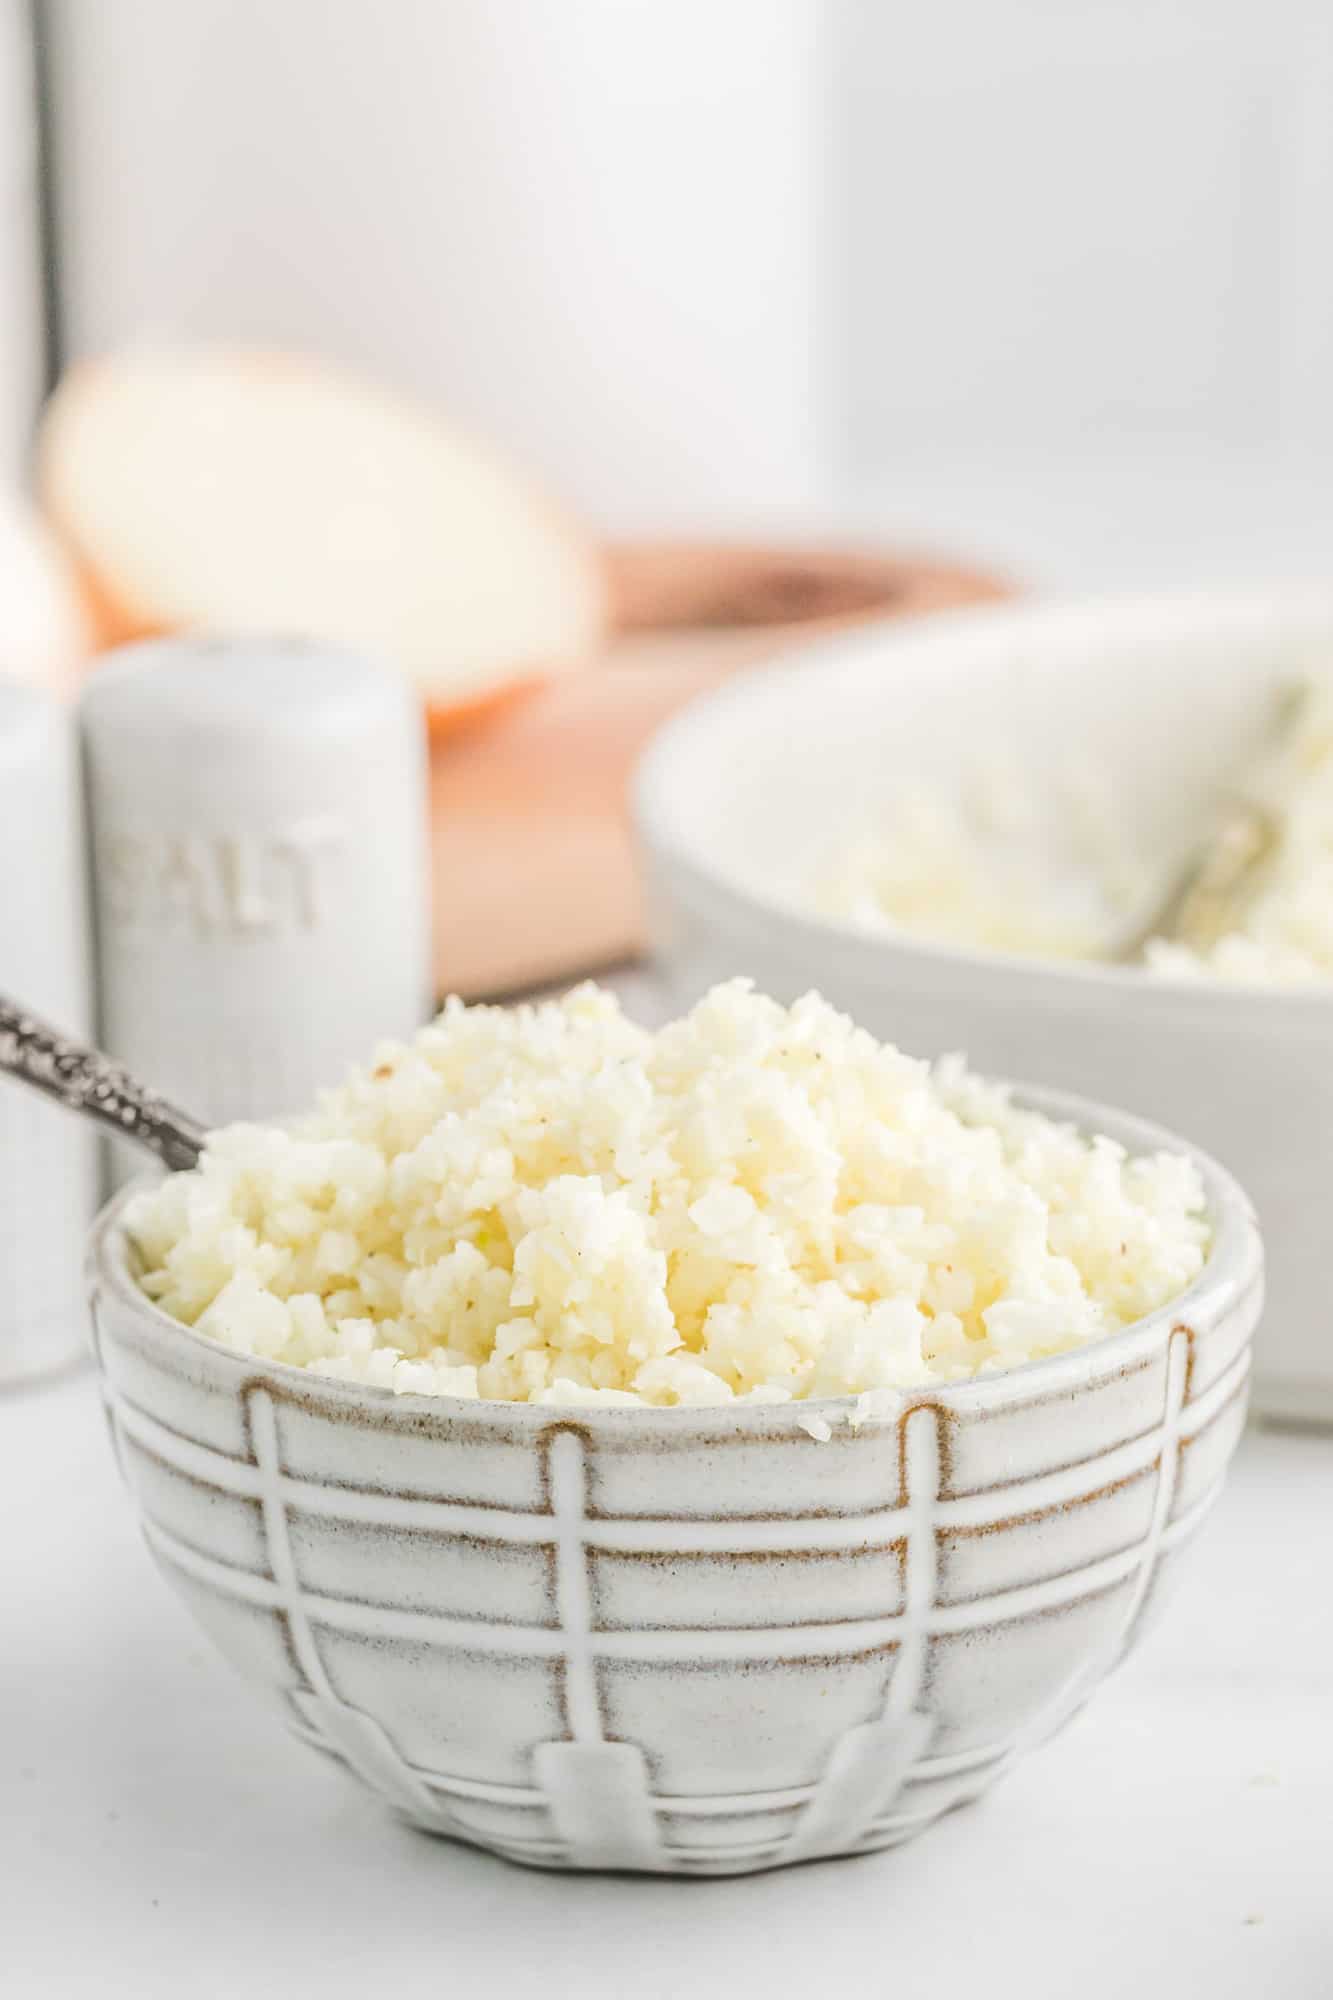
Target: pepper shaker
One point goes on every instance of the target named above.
(48, 1160)
(257, 814)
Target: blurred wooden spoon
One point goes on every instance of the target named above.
(662, 586)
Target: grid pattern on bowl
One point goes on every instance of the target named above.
(587, 1780)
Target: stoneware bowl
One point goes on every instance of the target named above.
(1163, 697)
(690, 1642)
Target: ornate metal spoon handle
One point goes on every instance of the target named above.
(86, 1081)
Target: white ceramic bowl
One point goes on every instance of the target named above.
(741, 792)
(696, 1642)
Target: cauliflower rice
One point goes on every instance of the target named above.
(549, 1204)
(998, 862)
(1012, 864)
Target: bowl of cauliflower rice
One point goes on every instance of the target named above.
(687, 1452)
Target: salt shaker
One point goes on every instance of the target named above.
(258, 834)
(48, 1160)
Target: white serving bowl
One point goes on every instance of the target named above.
(692, 1642)
(743, 791)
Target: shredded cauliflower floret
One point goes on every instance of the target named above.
(550, 1205)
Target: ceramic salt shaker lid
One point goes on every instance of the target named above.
(48, 1160)
(258, 835)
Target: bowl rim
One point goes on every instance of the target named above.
(1233, 1268)
(660, 813)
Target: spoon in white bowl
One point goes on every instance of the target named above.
(84, 1080)
(1222, 877)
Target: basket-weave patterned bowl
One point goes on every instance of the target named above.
(699, 1642)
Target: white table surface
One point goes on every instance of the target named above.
(160, 1835)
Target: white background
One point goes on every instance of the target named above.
(1049, 278)
(22, 360)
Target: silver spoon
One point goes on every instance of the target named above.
(1222, 877)
(85, 1080)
